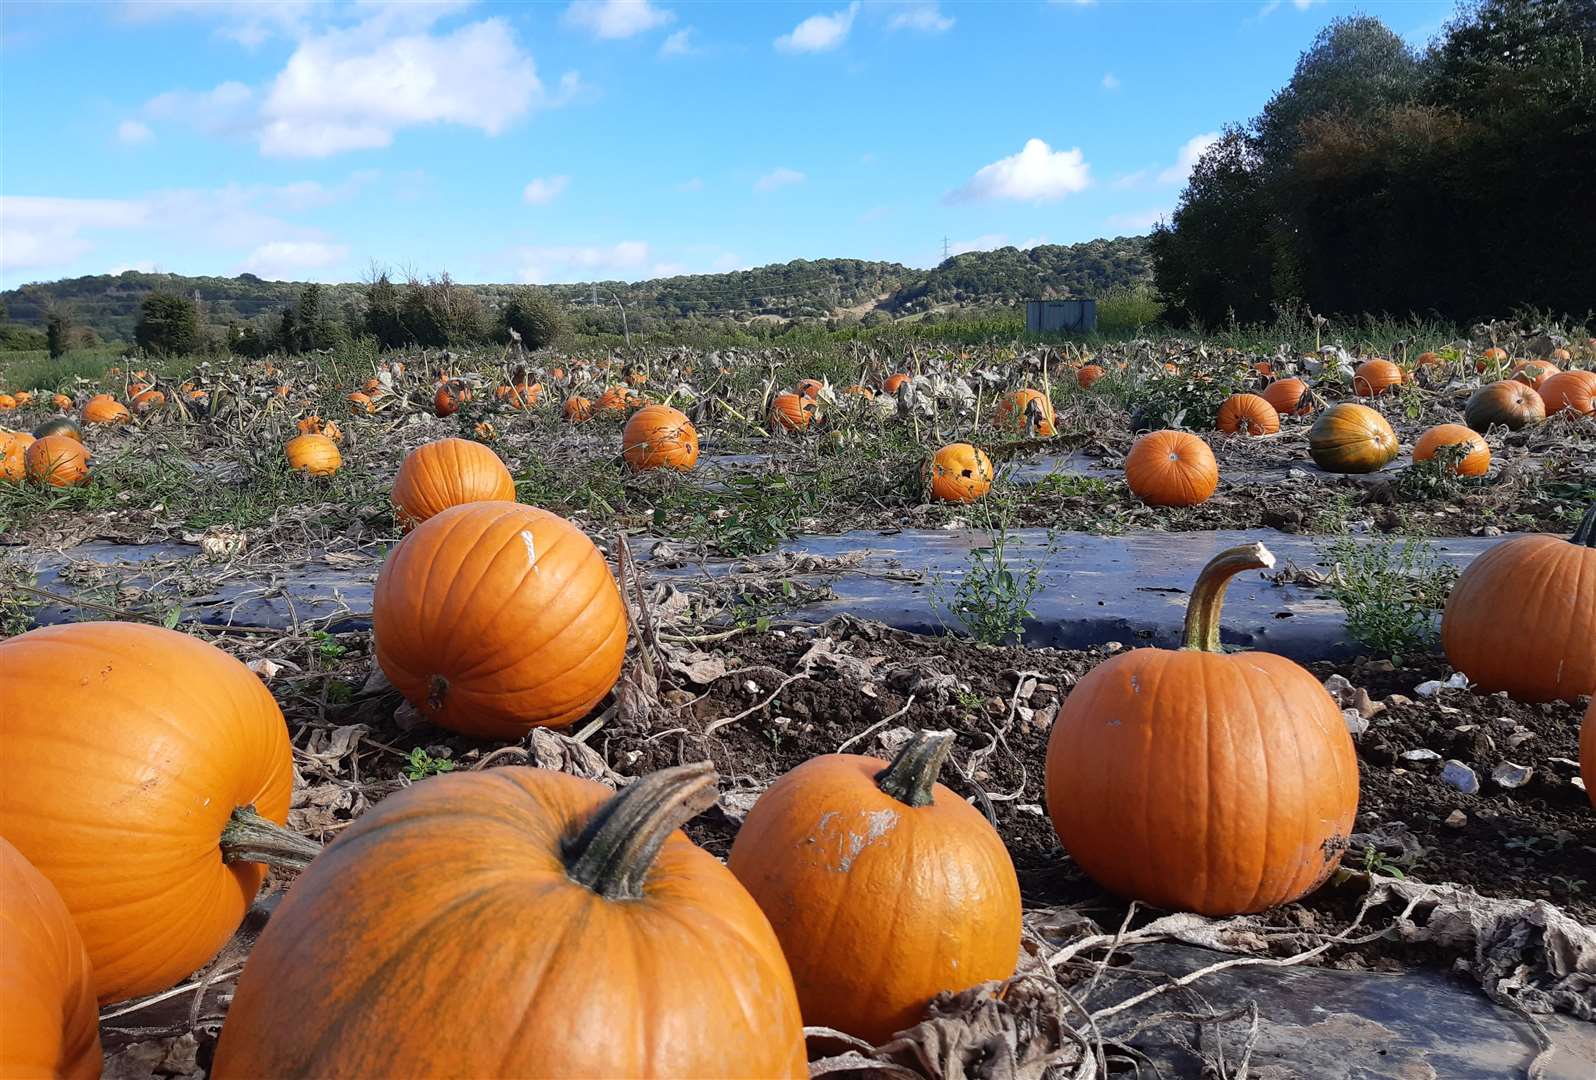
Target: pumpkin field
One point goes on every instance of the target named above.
(880, 707)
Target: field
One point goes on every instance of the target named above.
(800, 592)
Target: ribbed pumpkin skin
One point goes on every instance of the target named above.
(1572, 390)
(1508, 404)
(316, 455)
(14, 454)
(1171, 468)
(1476, 459)
(577, 410)
(1351, 438)
(791, 412)
(445, 473)
(1249, 414)
(1289, 397)
(1534, 372)
(105, 409)
(1522, 618)
(658, 436)
(49, 1023)
(1587, 752)
(1202, 782)
(1375, 377)
(879, 905)
(57, 460)
(439, 936)
(1011, 412)
(129, 746)
(512, 607)
(959, 473)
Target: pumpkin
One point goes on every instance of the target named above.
(1475, 456)
(1522, 617)
(566, 930)
(1587, 752)
(634, 375)
(577, 410)
(617, 399)
(894, 382)
(790, 412)
(361, 403)
(494, 618)
(23, 397)
(1248, 414)
(1506, 404)
(449, 472)
(7, 402)
(959, 473)
(1027, 411)
(49, 1024)
(1561, 356)
(1426, 359)
(1263, 367)
(884, 887)
(1374, 377)
(1086, 376)
(1351, 438)
(449, 398)
(1196, 780)
(1290, 397)
(141, 763)
(485, 431)
(314, 455)
(372, 385)
(1533, 372)
(148, 400)
(310, 425)
(860, 391)
(1171, 468)
(62, 402)
(521, 395)
(60, 425)
(14, 454)
(105, 409)
(1491, 356)
(809, 388)
(58, 461)
(1574, 391)
(658, 436)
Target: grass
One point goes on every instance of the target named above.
(35, 370)
(1392, 589)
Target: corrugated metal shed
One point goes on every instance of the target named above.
(1061, 316)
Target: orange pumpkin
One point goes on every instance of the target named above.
(1027, 411)
(49, 1025)
(1375, 377)
(894, 382)
(790, 412)
(1506, 404)
(1533, 372)
(1351, 438)
(361, 403)
(860, 391)
(449, 398)
(314, 455)
(1522, 617)
(1290, 397)
(58, 461)
(7, 402)
(1475, 459)
(1427, 359)
(521, 395)
(658, 436)
(13, 454)
(147, 401)
(1248, 414)
(133, 751)
(1171, 468)
(577, 410)
(851, 857)
(449, 472)
(959, 473)
(1587, 752)
(1196, 780)
(22, 397)
(62, 402)
(1490, 357)
(809, 388)
(1574, 391)
(1086, 376)
(616, 399)
(617, 947)
(105, 409)
(494, 618)
(1561, 356)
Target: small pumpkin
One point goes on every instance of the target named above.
(1506, 404)
(1027, 411)
(1171, 468)
(521, 395)
(809, 388)
(617, 946)
(361, 403)
(616, 400)
(959, 473)
(1475, 456)
(851, 857)
(1248, 414)
(60, 425)
(1533, 372)
(62, 402)
(493, 618)
(658, 436)
(314, 455)
(58, 461)
(577, 409)
(148, 401)
(445, 473)
(790, 412)
(1156, 759)
(1351, 438)
(14, 454)
(1492, 357)
(894, 381)
(8, 402)
(1574, 391)
(105, 409)
(1290, 397)
(49, 1024)
(1089, 374)
(1426, 359)
(1374, 377)
(450, 396)
(1522, 617)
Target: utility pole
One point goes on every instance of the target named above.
(944, 248)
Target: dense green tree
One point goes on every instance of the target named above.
(535, 316)
(168, 324)
(58, 332)
(382, 319)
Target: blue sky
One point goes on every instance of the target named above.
(305, 139)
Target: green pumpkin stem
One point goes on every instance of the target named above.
(1585, 535)
(912, 776)
(248, 837)
(1202, 613)
(614, 852)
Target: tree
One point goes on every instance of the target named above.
(168, 325)
(382, 319)
(534, 315)
(58, 332)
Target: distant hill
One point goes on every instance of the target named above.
(821, 288)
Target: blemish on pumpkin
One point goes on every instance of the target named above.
(531, 549)
(436, 690)
(879, 823)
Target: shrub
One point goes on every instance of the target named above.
(168, 325)
(535, 316)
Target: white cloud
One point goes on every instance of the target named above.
(679, 43)
(1274, 5)
(613, 19)
(669, 269)
(985, 242)
(227, 109)
(42, 231)
(1110, 81)
(778, 178)
(249, 22)
(548, 263)
(544, 189)
(287, 260)
(313, 194)
(1038, 173)
(693, 184)
(923, 15)
(1137, 221)
(820, 33)
(133, 132)
(1186, 157)
(1131, 180)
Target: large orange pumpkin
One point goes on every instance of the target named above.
(494, 618)
(1571, 390)
(449, 472)
(49, 1025)
(315, 455)
(1490, 357)
(105, 409)
(658, 436)
(1351, 438)
(14, 454)
(791, 412)
(1375, 377)
(1026, 411)
(1248, 414)
(1475, 459)
(1290, 397)
(884, 887)
(1508, 404)
(1533, 372)
(518, 922)
(58, 461)
(959, 473)
(1587, 752)
(1522, 617)
(1171, 468)
(1202, 781)
(132, 753)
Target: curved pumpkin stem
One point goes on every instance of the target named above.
(248, 837)
(1585, 535)
(1202, 613)
(616, 849)
(912, 776)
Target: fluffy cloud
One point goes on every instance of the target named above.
(923, 15)
(544, 189)
(288, 260)
(133, 132)
(42, 231)
(679, 43)
(612, 19)
(227, 109)
(778, 178)
(1038, 173)
(820, 33)
(1186, 157)
(548, 263)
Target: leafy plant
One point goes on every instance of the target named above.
(1392, 590)
(420, 765)
(993, 597)
(326, 645)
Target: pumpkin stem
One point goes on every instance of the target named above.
(1202, 612)
(616, 849)
(1585, 535)
(912, 776)
(248, 837)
